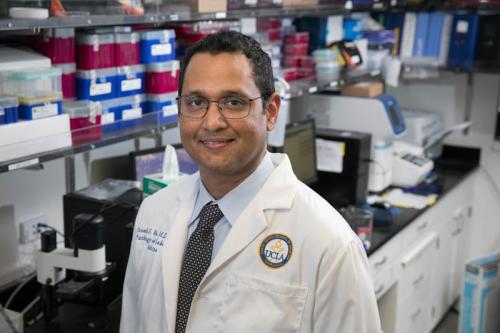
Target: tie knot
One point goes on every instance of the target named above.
(210, 214)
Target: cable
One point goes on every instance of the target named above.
(8, 320)
(18, 288)
(43, 225)
(369, 160)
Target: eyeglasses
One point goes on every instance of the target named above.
(231, 107)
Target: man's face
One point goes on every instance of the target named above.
(225, 147)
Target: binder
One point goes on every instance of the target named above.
(408, 36)
(420, 34)
(434, 35)
(463, 40)
(395, 21)
(445, 39)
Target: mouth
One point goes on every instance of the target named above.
(216, 143)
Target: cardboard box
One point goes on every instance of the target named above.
(208, 6)
(364, 89)
(480, 301)
(299, 3)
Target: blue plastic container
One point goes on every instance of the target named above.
(130, 80)
(96, 85)
(165, 105)
(8, 109)
(122, 113)
(32, 108)
(157, 46)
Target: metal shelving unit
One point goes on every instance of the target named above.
(35, 160)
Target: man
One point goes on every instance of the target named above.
(243, 246)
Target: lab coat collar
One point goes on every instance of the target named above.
(277, 193)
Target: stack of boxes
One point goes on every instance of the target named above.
(162, 73)
(297, 64)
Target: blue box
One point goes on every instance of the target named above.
(121, 113)
(130, 80)
(353, 29)
(165, 105)
(157, 46)
(96, 85)
(8, 110)
(38, 108)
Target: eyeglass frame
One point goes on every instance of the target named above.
(219, 108)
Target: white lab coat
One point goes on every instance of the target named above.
(324, 287)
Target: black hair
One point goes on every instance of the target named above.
(235, 42)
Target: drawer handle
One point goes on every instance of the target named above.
(418, 280)
(416, 314)
(422, 226)
(381, 262)
(456, 232)
(379, 289)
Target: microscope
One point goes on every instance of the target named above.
(86, 259)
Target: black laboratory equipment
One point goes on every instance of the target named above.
(117, 201)
(347, 185)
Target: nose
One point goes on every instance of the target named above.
(214, 120)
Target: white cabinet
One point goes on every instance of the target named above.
(414, 292)
(418, 273)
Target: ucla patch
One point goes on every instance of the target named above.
(276, 250)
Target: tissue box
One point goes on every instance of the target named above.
(155, 182)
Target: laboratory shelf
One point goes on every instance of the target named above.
(309, 86)
(166, 15)
(35, 160)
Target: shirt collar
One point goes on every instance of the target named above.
(234, 202)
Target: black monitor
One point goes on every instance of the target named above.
(300, 147)
(150, 161)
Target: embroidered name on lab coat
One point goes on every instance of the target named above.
(153, 238)
(276, 250)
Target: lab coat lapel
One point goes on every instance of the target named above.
(277, 193)
(173, 251)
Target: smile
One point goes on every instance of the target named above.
(216, 143)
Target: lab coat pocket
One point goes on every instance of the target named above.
(255, 305)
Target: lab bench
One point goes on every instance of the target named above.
(417, 263)
(413, 284)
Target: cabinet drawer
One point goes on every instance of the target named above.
(383, 258)
(384, 282)
(416, 266)
(414, 318)
(419, 227)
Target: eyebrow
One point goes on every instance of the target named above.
(223, 93)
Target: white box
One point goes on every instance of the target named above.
(12, 58)
(26, 138)
(480, 302)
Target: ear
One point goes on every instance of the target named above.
(273, 109)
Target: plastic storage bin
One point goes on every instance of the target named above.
(96, 85)
(31, 108)
(32, 82)
(57, 44)
(127, 49)
(121, 113)
(95, 51)
(297, 38)
(85, 120)
(157, 46)
(165, 105)
(130, 80)
(8, 109)
(162, 77)
(68, 80)
(296, 49)
(327, 71)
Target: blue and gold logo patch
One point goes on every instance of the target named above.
(276, 250)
